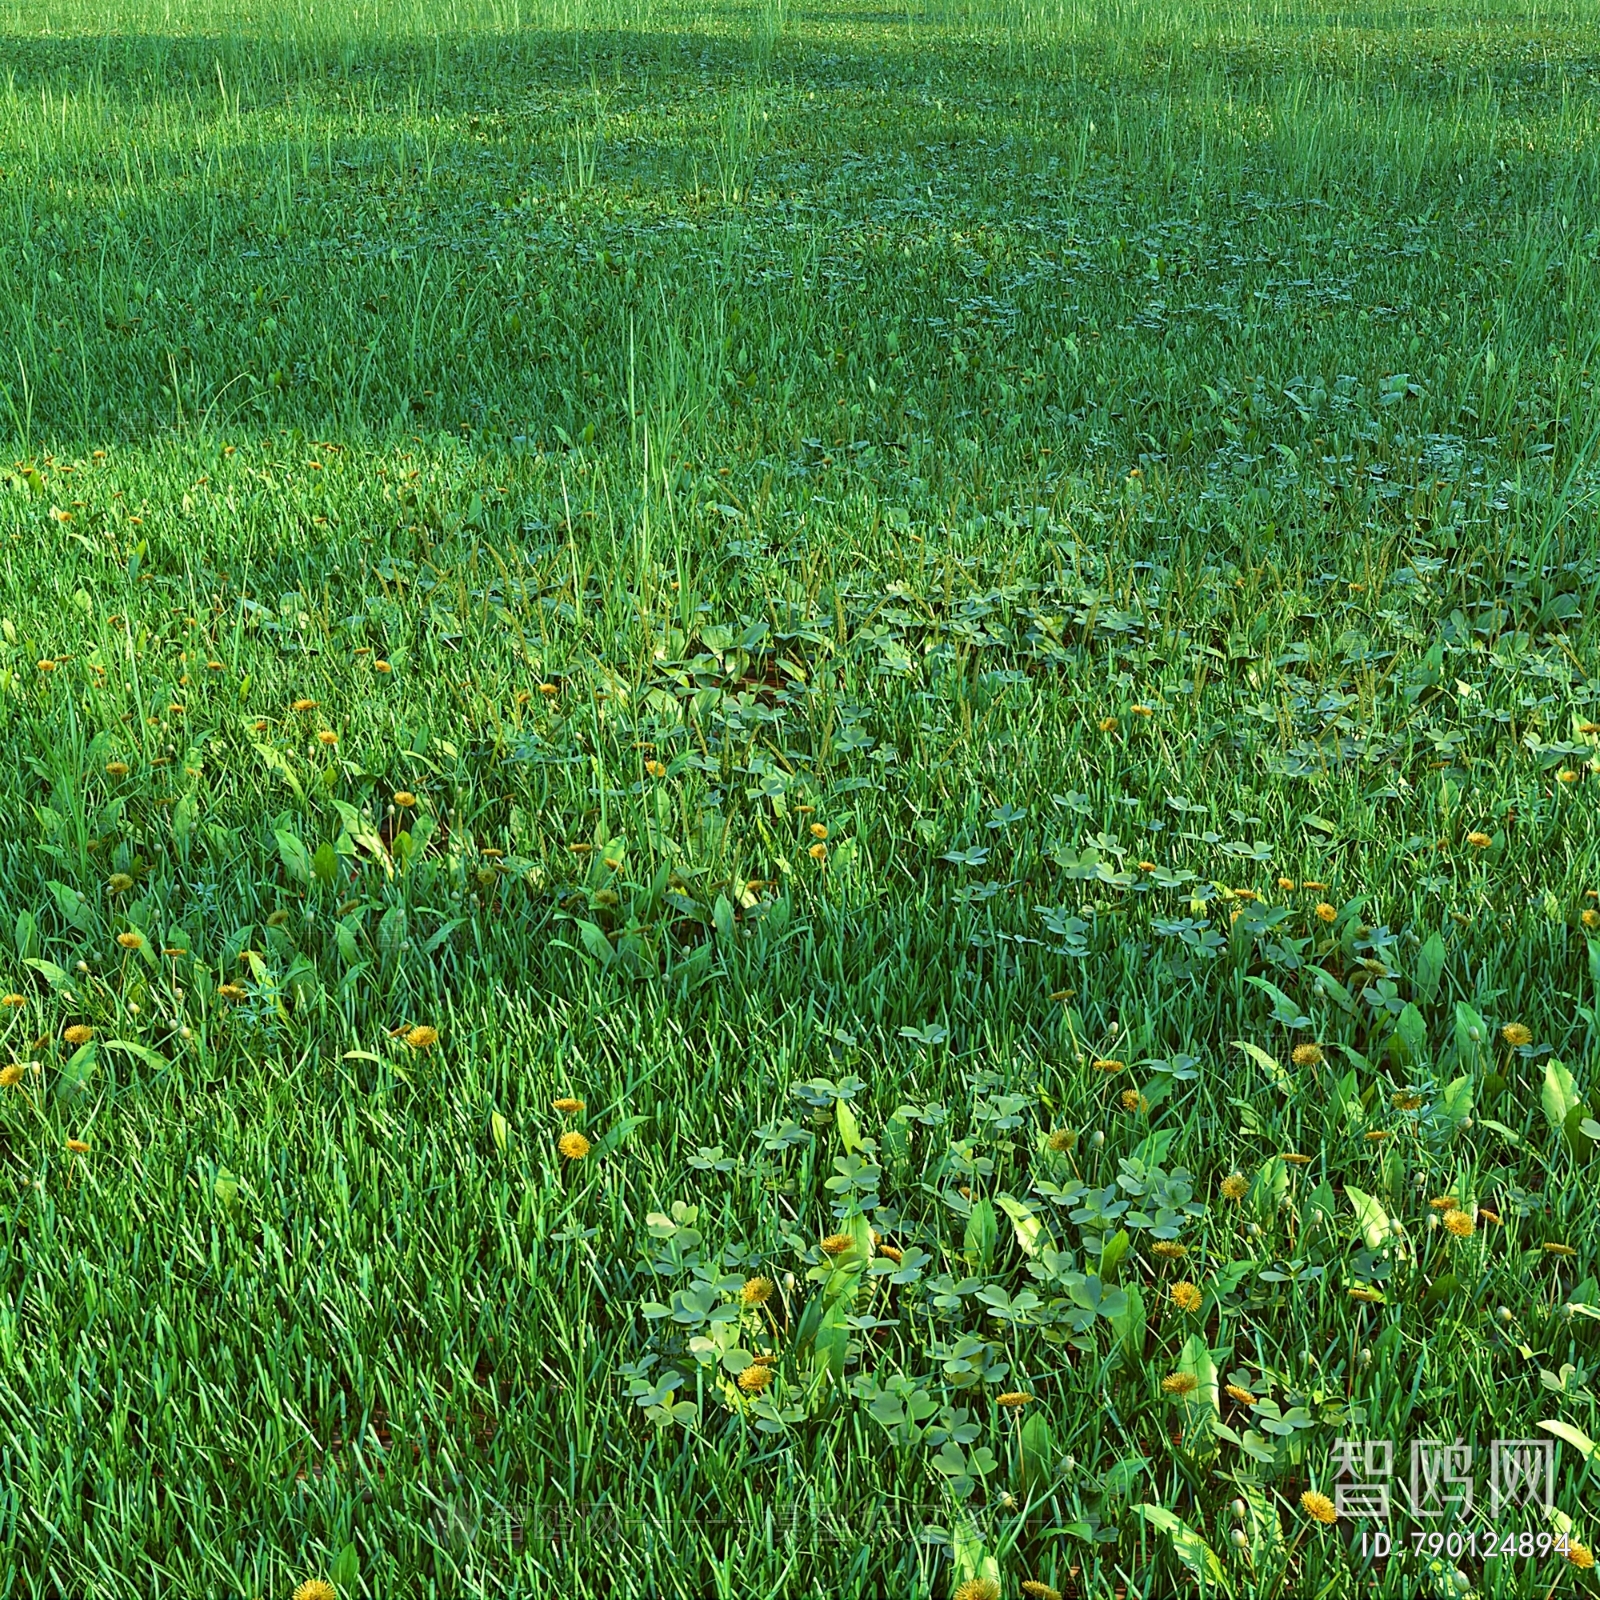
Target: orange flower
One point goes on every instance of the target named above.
(1319, 1508)
(754, 1379)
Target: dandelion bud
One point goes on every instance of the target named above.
(1239, 1539)
(1099, 1138)
(1239, 1509)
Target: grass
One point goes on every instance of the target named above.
(951, 589)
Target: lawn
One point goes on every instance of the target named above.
(799, 800)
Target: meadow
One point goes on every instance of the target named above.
(798, 799)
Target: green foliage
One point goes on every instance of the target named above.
(818, 788)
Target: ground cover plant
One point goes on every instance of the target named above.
(797, 799)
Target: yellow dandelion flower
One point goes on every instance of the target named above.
(215, 666)
(10, 1075)
(892, 1253)
(1405, 1100)
(1307, 1055)
(819, 830)
(1132, 1100)
(1516, 1034)
(1445, 1202)
(656, 769)
(1287, 885)
(1243, 1396)
(1371, 1297)
(1319, 1508)
(1142, 711)
(977, 1589)
(836, 1244)
(549, 690)
(316, 1589)
(304, 705)
(1186, 1296)
(119, 883)
(131, 940)
(380, 665)
(1014, 1399)
(755, 1378)
(1147, 866)
(117, 769)
(756, 1292)
(1590, 918)
(573, 1146)
(818, 852)
(328, 736)
(1566, 775)
(1486, 1215)
(78, 1033)
(1035, 1590)
(1458, 1223)
(422, 1037)
(79, 1147)
(47, 665)
(1325, 912)
(1377, 1136)
(1108, 1066)
(404, 799)
(1169, 1249)
(1179, 1383)
(232, 991)
(1479, 841)
(1062, 1140)
(1235, 1186)
(1313, 886)
(1550, 1247)
(1294, 1158)
(13, 1000)
(568, 1105)
(1580, 1555)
